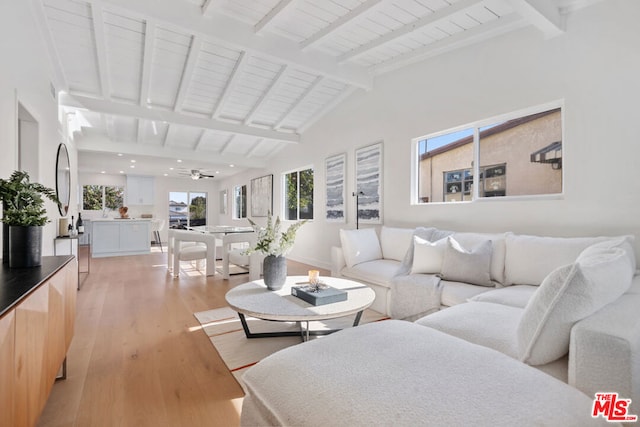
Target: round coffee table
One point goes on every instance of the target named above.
(255, 300)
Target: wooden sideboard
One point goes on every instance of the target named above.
(37, 315)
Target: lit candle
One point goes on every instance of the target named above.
(314, 276)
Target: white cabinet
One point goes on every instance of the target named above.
(140, 190)
(120, 237)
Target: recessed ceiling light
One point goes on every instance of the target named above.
(120, 154)
(170, 169)
(103, 172)
(232, 166)
(132, 166)
(121, 171)
(133, 161)
(166, 174)
(179, 161)
(217, 171)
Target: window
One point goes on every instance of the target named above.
(458, 185)
(99, 197)
(298, 191)
(240, 202)
(187, 209)
(518, 155)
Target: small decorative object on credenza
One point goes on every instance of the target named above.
(23, 218)
(123, 211)
(275, 245)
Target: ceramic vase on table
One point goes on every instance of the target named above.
(274, 271)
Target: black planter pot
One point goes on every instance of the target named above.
(5, 243)
(25, 246)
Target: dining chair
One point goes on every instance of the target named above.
(187, 245)
(234, 246)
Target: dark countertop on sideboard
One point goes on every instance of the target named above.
(18, 283)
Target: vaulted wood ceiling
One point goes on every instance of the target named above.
(215, 82)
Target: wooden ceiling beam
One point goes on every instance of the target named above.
(354, 13)
(254, 148)
(328, 107)
(299, 101)
(185, 16)
(432, 18)
(132, 110)
(101, 49)
(543, 14)
(469, 37)
(268, 19)
(267, 93)
(147, 61)
(187, 72)
(231, 82)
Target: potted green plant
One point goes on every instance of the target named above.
(275, 244)
(24, 215)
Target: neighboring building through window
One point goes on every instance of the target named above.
(100, 197)
(187, 209)
(240, 202)
(518, 156)
(298, 194)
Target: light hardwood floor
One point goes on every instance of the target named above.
(138, 357)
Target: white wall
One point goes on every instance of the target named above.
(25, 78)
(594, 68)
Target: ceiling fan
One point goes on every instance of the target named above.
(196, 174)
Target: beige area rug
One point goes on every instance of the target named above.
(223, 327)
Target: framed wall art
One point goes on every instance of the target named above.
(368, 163)
(335, 173)
(262, 196)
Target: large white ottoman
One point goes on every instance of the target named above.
(401, 374)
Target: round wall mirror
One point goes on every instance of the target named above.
(63, 179)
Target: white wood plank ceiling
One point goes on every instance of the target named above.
(236, 81)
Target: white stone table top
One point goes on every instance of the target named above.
(254, 299)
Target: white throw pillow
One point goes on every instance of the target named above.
(529, 259)
(395, 242)
(567, 295)
(625, 243)
(360, 246)
(427, 256)
(469, 266)
(405, 266)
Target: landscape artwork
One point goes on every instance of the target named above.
(335, 171)
(262, 195)
(369, 183)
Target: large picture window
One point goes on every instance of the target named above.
(517, 155)
(100, 197)
(187, 209)
(298, 194)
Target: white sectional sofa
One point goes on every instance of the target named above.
(518, 301)
(510, 330)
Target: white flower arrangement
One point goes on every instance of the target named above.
(270, 240)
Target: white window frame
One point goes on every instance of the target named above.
(234, 213)
(283, 187)
(415, 155)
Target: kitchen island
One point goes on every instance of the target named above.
(118, 237)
